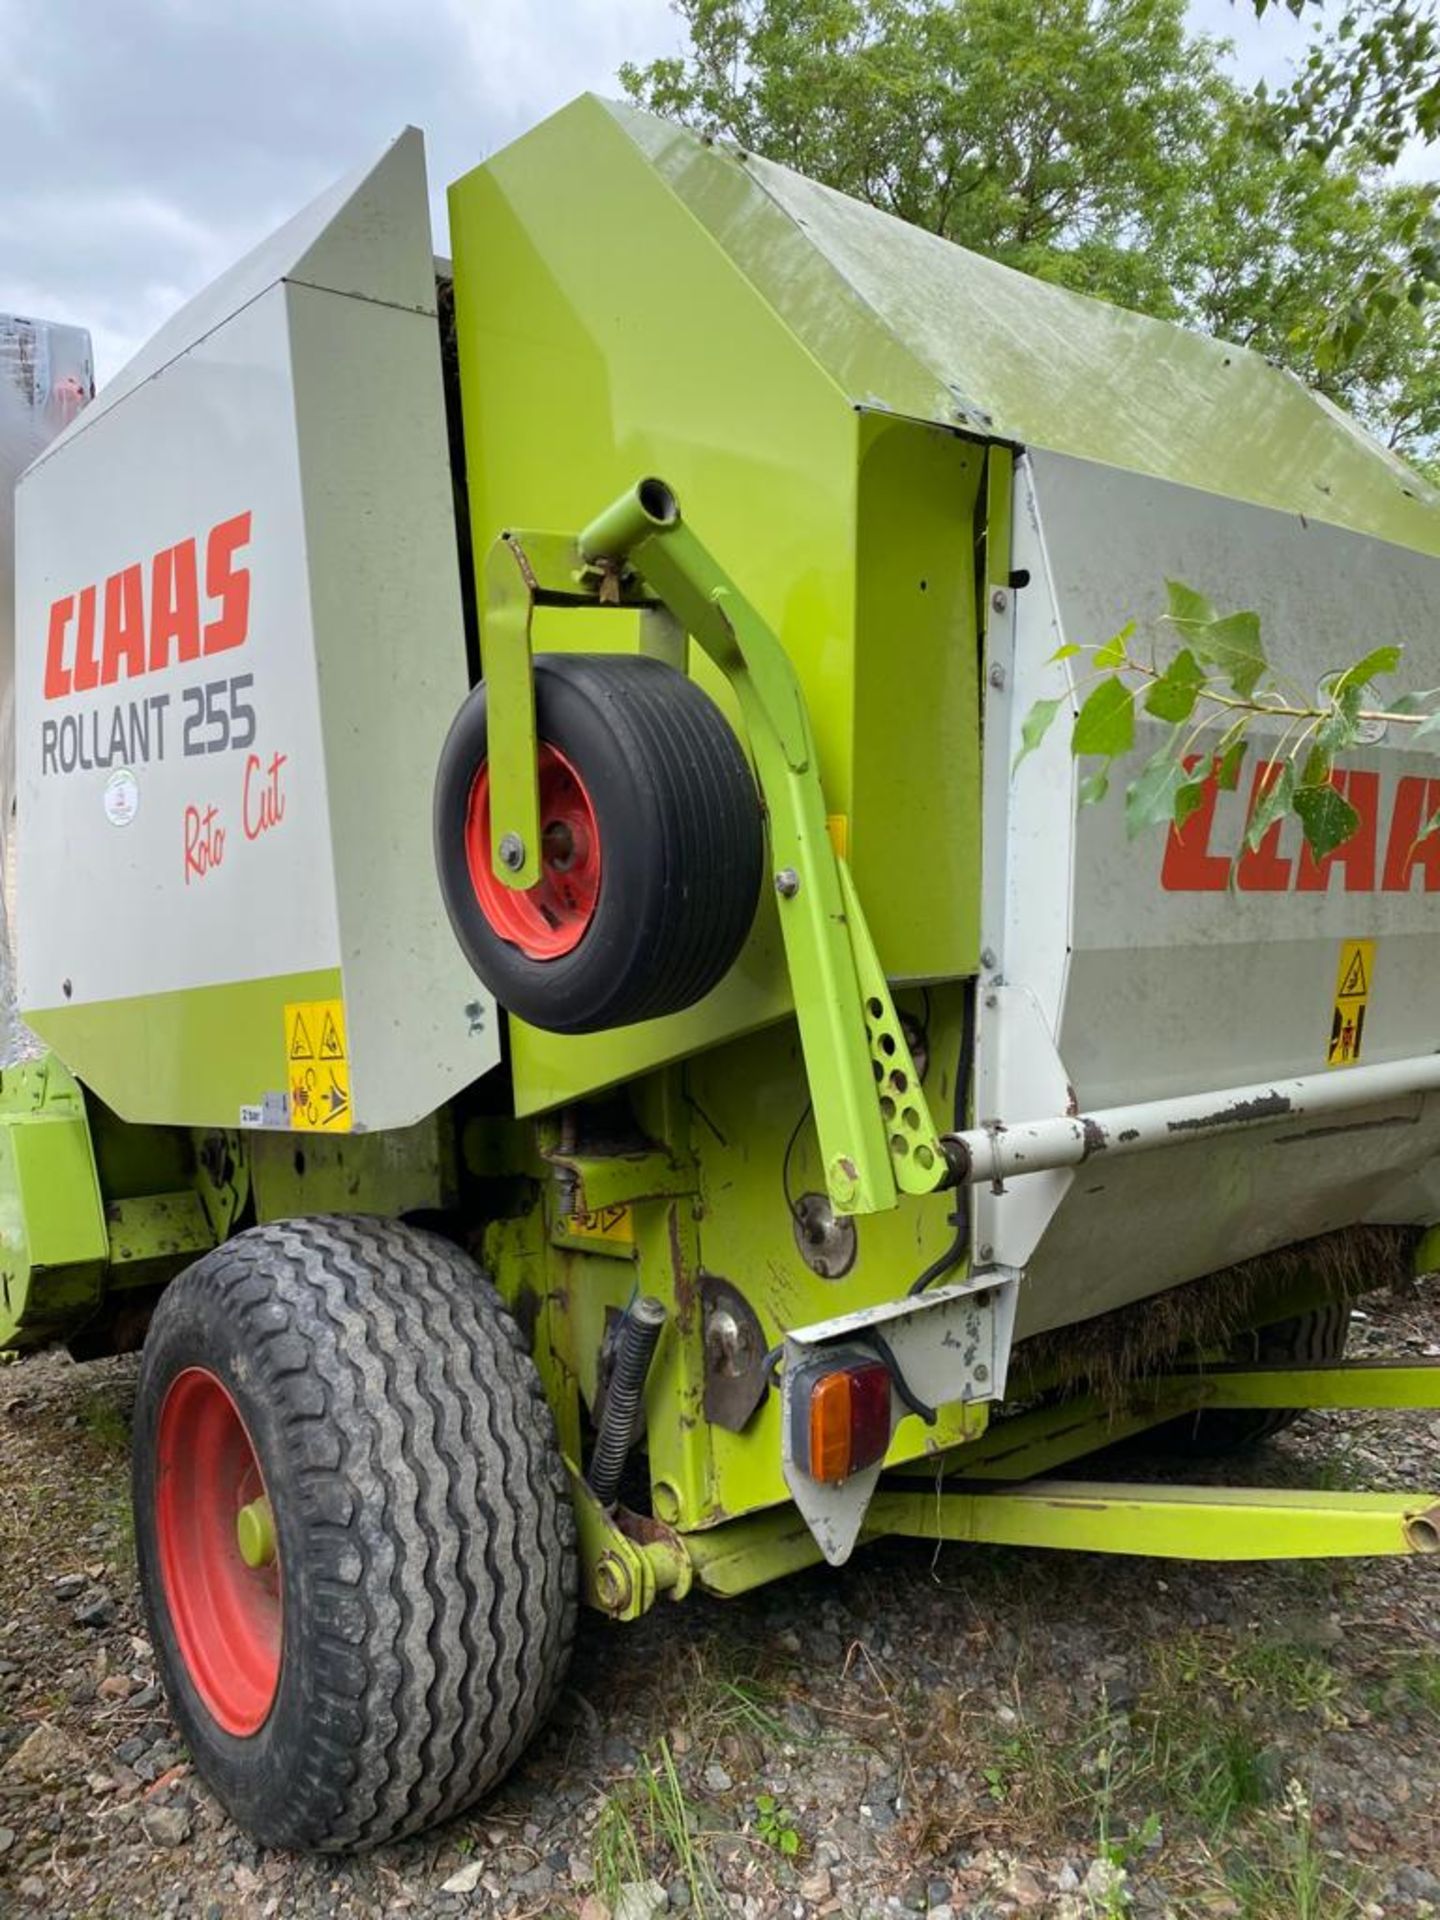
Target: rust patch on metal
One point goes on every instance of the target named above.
(686, 1293)
(1266, 1106)
(1096, 1139)
(1130, 1133)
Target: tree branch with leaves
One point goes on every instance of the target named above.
(1215, 687)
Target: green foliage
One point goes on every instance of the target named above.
(1204, 702)
(1101, 145)
(649, 1819)
(776, 1825)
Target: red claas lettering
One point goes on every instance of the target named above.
(139, 633)
(1192, 864)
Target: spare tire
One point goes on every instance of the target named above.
(652, 847)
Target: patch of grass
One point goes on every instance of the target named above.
(1294, 1678)
(104, 1423)
(648, 1819)
(1284, 1873)
(1413, 1683)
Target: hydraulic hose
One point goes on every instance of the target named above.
(634, 1350)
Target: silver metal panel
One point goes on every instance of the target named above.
(952, 1344)
(1151, 986)
(122, 904)
(255, 804)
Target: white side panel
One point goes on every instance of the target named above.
(142, 866)
(1137, 970)
(389, 642)
(241, 645)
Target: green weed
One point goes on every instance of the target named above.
(776, 1825)
(649, 1817)
(1285, 1873)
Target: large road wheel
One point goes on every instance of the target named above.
(651, 856)
(356, 1544)
(1317, 1336)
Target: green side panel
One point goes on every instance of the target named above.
(905, 320)
(594, 350)
(53, 1239)
(188, 1059)
(914, 844)
(393, 1171)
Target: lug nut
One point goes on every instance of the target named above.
(512, 851)
(787, 883)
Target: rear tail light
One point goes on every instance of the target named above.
(840, 1417)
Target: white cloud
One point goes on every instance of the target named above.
(145, 146)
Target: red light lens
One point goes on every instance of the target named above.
(849, 1423)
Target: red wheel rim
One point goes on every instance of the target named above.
(550, 918)
(226, 1615)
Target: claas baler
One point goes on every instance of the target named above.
(565, 1024)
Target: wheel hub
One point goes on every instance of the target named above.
(551, 918)
(219, 1562)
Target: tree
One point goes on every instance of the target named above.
(1097, 143)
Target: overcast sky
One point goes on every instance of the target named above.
(146, 144)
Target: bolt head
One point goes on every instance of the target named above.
(997, 678)
(787, 883)
(612, 1585)
(512, 851)
(992, 1000)
(987, 957)
(986, 1251)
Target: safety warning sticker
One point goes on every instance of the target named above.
(318, 1066)
(1352, 997)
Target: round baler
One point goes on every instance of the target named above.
(569, 1029)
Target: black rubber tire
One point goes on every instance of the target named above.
(426, 1536)
(1318, 1336)
(679, 821)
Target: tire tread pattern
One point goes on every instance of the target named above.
(438, 1533)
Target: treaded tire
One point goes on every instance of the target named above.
(1317, 1336)
(426, 1539)
(679, 825)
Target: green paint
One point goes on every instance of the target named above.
(187, 1059)
(255, 1534)
(53, 1241)
(402, 1170)
(669, 359)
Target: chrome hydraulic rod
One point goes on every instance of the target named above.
(1004, 1151)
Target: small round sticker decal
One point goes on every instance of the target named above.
(122, 797)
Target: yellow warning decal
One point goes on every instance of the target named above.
(1352, 996)
(318, 1065)
(613, 1224)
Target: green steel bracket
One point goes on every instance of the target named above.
(222, 1178)
(595, 1180)
(1349, 1384)
(1169, 1523)
(152, 1237)
(626, 1560)
(877, 1135)
(53, 1239)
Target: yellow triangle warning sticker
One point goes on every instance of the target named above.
(1351, 1004)
(301, 1047)
(1354, 982)
(319, 1076)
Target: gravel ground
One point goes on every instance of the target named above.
(972, 1732)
